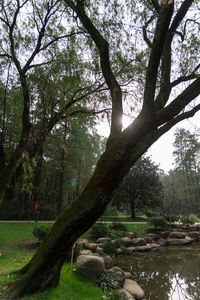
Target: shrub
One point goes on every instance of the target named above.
(113, 235)
(188, 220)
(107, 283)
(172, 218)
(99, 230)
(160, 223)
(118, 227)
(41, 230)
(150, 214)
(110, 246)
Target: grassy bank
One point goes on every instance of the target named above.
(17, 245)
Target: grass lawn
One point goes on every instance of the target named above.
(16, 248)
(15, 241)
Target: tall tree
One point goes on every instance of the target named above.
(186, 154)
(141, 188)
(47, 79)
(161, 110)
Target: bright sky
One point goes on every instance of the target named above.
(161, 151)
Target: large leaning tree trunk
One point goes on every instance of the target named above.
(123, 149)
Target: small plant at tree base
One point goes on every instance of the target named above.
(159, 223)
(188, 220)
(107, 283)
(41, 230)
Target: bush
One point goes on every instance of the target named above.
(110, 246)
(160, 223)
(118, 227)
(107, 283)
(41, 230)
(188, 220)
(150, 214)
(172, 218)
(99, 230)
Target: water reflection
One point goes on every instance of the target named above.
(172, 273)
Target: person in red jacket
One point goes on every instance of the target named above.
(36, 212)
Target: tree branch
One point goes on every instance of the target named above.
(102, 45)
(144, 30)
(156, 5)
(177, 105)
(161, 31)
(181, 79)
(180, 15)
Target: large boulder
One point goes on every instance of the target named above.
(107, 261)
(139, 242)
(144, 248)
(177, 235)
(149, 240)
(179, 241)
(86, 252)
(194, 235)
(130, 235)
(101, 240)
(133, 288)
(164, 234)
(128, 275)
(90, 266)
(83, 243)
(131, 249)
(117, 274)
(92, 246)
(125, 295)
(126, 241)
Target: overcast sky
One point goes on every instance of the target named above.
(161, 151)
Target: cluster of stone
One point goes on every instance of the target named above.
(92, 265)
(179, 235)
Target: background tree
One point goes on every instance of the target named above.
(161, 110)
(182, 183)
(42, 75)
(141, 188)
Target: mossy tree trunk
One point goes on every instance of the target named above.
(43, 271)
(124, 148)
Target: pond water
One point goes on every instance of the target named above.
(171, 273)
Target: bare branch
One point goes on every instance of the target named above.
(144, 29)
(179, 118)
(177, 105)
(180, 14)
(193, 75)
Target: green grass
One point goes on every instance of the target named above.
(71, 287)
(139, 229)
(122, 219)
(14, 239)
